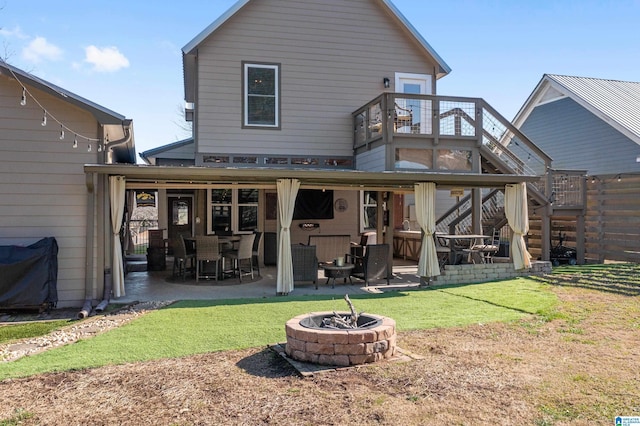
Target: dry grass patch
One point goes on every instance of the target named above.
(578, 366)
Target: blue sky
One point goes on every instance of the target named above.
(125, 55)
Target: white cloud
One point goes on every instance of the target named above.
(15, 32)
(106, 59)
(40, 49)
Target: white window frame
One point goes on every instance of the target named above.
(276, 95)
(363, 215)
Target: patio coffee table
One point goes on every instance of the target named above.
(332, 271)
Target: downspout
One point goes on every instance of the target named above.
(108, 280)
(89, 264)
(88, 292)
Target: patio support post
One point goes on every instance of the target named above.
(388, 236)
(476, 211)
(545, 234)
(580, 232)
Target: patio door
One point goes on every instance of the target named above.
(180, 216)
(415, 84)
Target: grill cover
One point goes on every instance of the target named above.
(29, 275)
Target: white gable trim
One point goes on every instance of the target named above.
(189, 47)
(548, 83)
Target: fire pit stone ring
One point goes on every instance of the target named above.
(340, 347)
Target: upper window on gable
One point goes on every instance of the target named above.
(261, 95)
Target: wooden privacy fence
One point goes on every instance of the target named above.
(612, 218)
(612, 221)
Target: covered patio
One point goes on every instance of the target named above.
(198, 178)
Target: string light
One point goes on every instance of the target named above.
(89, 147)
(46, 114)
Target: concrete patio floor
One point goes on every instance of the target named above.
(142, 286)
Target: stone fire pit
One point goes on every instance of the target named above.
(373, 339)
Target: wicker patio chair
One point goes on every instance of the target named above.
(255, 255)
(373, 265)
(207, 250)
(181, 258)
(305, 263)
(443, 251)
(243, 253)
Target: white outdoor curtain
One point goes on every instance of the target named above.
(287, 193)
(425, 197)
(116, 196)
(517, 212)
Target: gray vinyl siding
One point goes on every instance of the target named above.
(333, 55)
(372, 161)
(577, 139)
(42, 182)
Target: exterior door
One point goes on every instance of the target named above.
(415, 84)
(180, 216)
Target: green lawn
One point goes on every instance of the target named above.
(191, 327)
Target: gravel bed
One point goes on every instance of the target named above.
(79, 330)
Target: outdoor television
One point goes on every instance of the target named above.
(313, 204)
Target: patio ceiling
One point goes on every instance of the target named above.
(155, 177)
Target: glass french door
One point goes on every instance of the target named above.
(420, 110)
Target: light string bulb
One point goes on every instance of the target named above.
(89, 147)
(61, 132)
(75, 141)
(45, 113)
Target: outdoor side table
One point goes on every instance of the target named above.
(331, 272)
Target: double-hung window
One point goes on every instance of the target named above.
(261, 87)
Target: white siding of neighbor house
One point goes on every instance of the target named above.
(42, 181)
(333, 56)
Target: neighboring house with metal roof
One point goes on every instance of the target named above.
(179, 153)
(585, 123)
(47, 135)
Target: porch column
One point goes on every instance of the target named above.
(388, 236)
(476, 211)
(545, 234)
(580, 241)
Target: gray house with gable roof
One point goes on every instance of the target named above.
(585, 123)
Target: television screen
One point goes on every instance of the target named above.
(313, 204)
